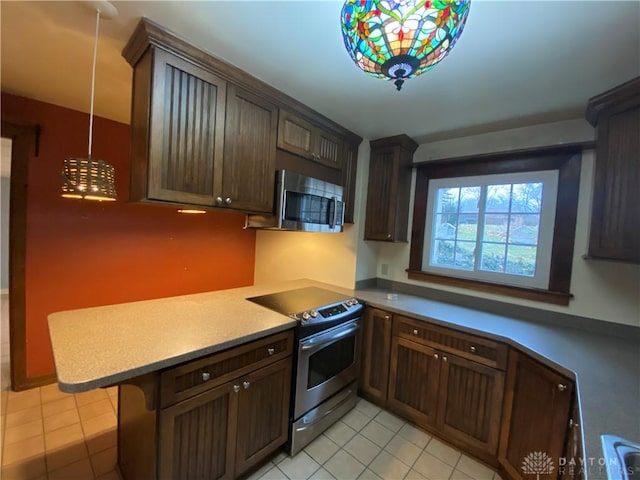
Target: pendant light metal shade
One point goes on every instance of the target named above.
(86, 178)
(400, 39)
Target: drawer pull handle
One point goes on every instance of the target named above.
(435, 355)
(562, 387)
(236, 388)
(246, 385)
(415, 332)
(271, 351)
(472, 349)
(205, 376)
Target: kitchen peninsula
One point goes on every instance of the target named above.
(118, 344)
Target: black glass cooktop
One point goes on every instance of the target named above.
(291, 302)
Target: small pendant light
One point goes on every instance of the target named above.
(86, 178)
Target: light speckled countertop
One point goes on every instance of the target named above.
(101, 346)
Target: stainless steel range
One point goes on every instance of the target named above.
(326, 360)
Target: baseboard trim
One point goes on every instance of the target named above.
(33, 382)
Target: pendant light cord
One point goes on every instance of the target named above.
(93, 81)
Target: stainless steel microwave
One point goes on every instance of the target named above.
(303, 203)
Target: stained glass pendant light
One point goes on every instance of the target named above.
(85, 177)
(400, 39)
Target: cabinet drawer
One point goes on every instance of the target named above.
(474, 348)
(186, 380)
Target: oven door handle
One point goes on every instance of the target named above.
(328, 337)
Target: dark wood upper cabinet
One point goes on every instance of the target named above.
(389, 189)
(206, 133)
(250, 151)
(177, 129)
(536, 413)
(299, 136)
(615, 216)
(349, 171)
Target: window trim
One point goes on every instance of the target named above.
(566, 160)
(545, 241)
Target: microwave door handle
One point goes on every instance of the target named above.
(334, 219)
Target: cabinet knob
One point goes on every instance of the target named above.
(246, 385)
(444, 358)
(415, 332)
(472, 349)
(387, 317)
(435, 355)
(236, 388)
(227, 201)
(562, 387)
(388, 235)
(271, 351)
(205, 376)
(218, 200)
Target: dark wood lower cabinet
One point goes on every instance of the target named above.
(376, 340)
(219, 432)
(262, 414)
(458, 398)
(470, 404)
(413, 381)
(197, 436)
(536, 415)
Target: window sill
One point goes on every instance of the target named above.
(535, 294)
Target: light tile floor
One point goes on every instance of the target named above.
(370, 443)
(50, 435)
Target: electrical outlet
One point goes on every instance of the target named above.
(384, 269)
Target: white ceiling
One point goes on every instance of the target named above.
(517, 63)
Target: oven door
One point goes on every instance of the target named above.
(327, 362)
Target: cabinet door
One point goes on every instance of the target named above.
(263, 413)
(295, 135)
(383, 179)
(470, 403)
(349, 170)
(413, 381)
(186, 132)
(535, 418)
(250, 152)
(615, 233)
(197, 436)
(376, 351)
(328, 150)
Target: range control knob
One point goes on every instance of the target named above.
(306, 316)
(314, 314)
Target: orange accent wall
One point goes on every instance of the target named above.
(83, 253)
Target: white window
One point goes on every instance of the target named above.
(495, 228)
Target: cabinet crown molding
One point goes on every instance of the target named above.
(625, 95)
(148, 33)
(402, 141)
